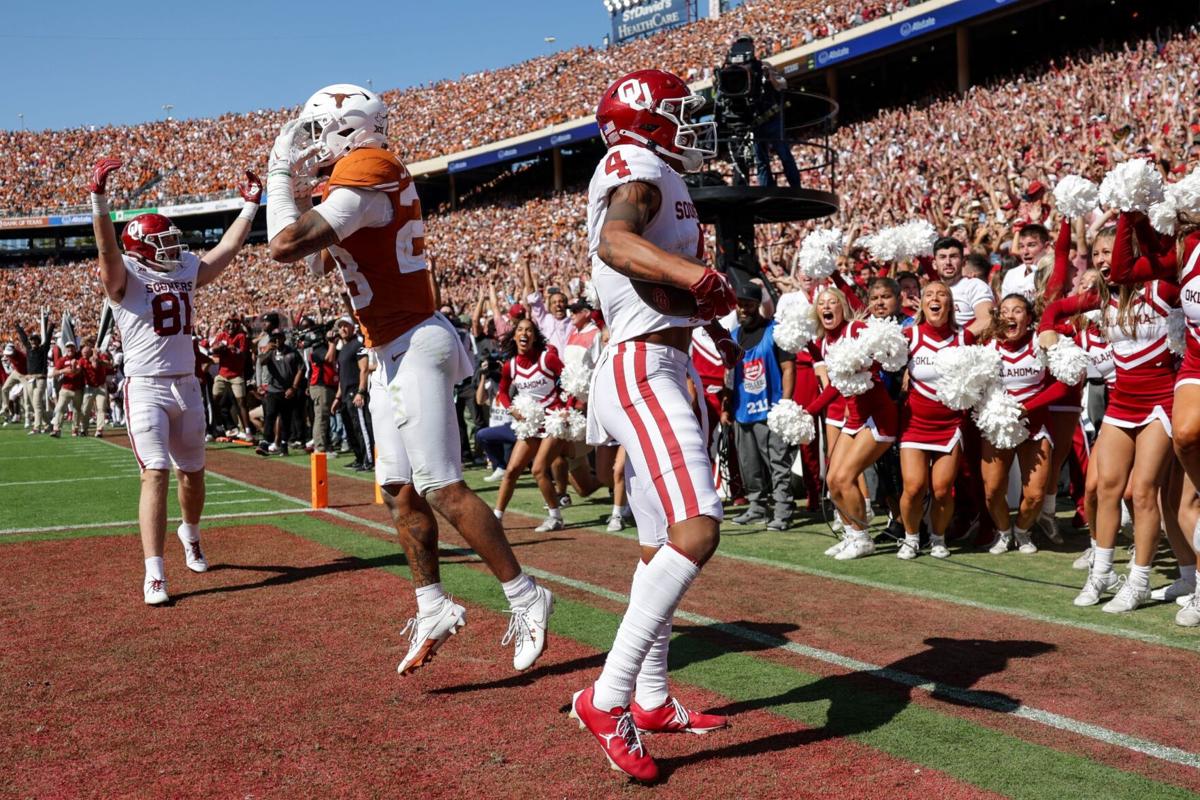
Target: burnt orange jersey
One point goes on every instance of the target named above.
(384, 268)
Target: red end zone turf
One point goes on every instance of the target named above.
(274, 674)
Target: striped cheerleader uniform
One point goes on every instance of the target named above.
(874, 409)
(536, 377)
(835, 412)
(1026, 379)
(926, 423)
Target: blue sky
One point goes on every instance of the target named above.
(68, 63)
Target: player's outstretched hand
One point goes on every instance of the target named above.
(731, 352)
(97, 185)
(251, 189)
(714, 295)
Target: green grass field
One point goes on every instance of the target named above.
(752, 637)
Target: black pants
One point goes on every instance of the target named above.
(357, 422)
(277, 407)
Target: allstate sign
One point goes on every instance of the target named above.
(649, 16)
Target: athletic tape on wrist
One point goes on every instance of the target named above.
(99, 205)
(248, 211)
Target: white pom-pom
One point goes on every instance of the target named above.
(1186, 193)
(848, 363)
(886, 343)
(1177, 331)
(1132, 186)
(819, 251)
(998, 416)
(532, 414)
(916, 239)
(883, 245)
(790, 422)
(566, 424)
(795, 327)
(590, 294)
(1076, 196)
(1164, 216)
(1067, 361)
(965, 374)
(576, 379)
(576, 426)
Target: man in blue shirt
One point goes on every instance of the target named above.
(765, 375)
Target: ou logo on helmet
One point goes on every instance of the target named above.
(134, 229)
(635, 94)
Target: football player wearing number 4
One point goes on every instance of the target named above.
(369, 224)
(642, 226)
(150, 290)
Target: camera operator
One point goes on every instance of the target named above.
(280, 376)
(749, 106)
(322, 385)
(351, 399)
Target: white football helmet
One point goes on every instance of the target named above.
(341, 118)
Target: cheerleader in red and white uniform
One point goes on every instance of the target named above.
(930, 433)
(533, 370)
(1027, 380)
(1134, 447)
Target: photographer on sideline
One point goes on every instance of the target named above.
(322, 386)
(749, 101)
(280, 375)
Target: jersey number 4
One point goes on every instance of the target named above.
(615, 163)
(172, 313)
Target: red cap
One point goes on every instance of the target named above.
(1035, 190)
(516, 311)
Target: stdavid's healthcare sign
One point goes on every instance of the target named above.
(649, 16)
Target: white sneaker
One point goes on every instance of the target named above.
(427, 633)
(192, 554)
(527, 629)
(1048, 525)
(155, 591)
(1189, 615)
(1025, 543)
(1128, 598)
(939, 551)
(836, 547)
(1085, 559)
(1180, 588)
(616, 523)
(1000, 543)
(1096, 585)
(549, 524)
(907, 550)
(245, 436)
(497, 475)
(856, 547)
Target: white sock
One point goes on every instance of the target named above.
(1050, 504)
(617, 510)
(154, 568)
(1139, 576)
(555, 513)
(651, 691)
(1188, 573)
(652, 603)
(518, 589)
(189, 531)
(498, 513)
(912, 540)
(935, 540)
(1102, 559)
(429, 598)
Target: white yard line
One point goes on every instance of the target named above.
(133, 522)
(122, 477)
(236, 502)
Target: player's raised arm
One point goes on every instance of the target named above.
(294, 233)
(112, 268)
(216, 260)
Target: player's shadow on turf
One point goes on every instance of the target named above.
(284, 574)
(866, 700)
(591, 662)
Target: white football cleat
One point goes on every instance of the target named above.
(1128, 598)
(1180, 588)
(192, 553)
(615, 523)
(497, 474)
(856, 547)
(427, 633)
(1189, 615)
(155, 591)
(527, 628)
(1096, 585)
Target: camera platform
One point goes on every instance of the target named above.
(761, 204)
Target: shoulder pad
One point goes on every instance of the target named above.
(369, 168)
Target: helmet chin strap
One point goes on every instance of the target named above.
(658, 149)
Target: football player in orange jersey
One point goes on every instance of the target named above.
(369, 226)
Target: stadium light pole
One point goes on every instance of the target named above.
(168, 107)
(21, 116)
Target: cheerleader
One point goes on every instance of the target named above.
(931, 434)
(532, 369)
(1027, 380)
(1134, 447)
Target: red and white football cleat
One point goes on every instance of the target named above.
(672, 717)
(618, 737)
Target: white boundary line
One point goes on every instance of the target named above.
(132, 523)
(236, 502)
(125, 476)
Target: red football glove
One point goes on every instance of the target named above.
(100, 174)
(714, 295)
(731, 352)
(252, 189)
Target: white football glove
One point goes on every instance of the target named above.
(290, 156)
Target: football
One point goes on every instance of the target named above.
(666, 299)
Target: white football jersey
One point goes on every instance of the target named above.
(155, 318)
(675, 229)
(968, 293)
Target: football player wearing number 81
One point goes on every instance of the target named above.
(369, 225)
(150, 289)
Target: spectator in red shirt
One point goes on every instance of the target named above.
(230, 349)
(69, 367)
(13, 363)
(96, 367)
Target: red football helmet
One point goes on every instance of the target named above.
(155, 240)
(653, 109)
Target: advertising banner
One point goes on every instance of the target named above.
(648, 17)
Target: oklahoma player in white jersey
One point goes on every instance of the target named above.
(642, 225)
(150, 290)
(370, 226)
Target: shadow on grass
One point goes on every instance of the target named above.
(863, 701)
(284, 575)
